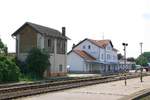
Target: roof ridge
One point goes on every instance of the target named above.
(99, 40)
(43, 30)
(30, 23)
(100, 43)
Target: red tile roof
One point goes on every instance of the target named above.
(84, 55)
(101, 43)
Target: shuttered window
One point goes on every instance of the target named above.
(61, 48)
(50, 45)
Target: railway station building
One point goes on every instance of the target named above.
(94, 56)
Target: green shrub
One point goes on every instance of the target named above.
(22, 66)
(9, 71)
(37, 61)
(141, 60)
(29, 77)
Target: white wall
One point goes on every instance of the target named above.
(113, 54)
(56, 60)
(102, 52)
(94, 50)
(109, 52)
(40, 41)
(75, 62)
(97, 52)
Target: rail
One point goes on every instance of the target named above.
(22, 90)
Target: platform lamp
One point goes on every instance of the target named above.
(125, 78)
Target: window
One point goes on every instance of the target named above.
(49, 42)
(108, 56)
(39, 43)
(113, 57)
(108, 67)
(60, 68)
(61, 49)
(102, 56)
(84, 47)
(50, 45)
(108, 48)
(89, 47)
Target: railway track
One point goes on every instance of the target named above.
(17, 91)
(37, 82)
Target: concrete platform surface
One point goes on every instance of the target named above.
(82, 75)
(105, 91)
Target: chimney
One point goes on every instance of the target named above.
(63, 31)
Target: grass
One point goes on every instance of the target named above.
(33, 78)
(29, 78)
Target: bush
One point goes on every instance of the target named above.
(9, 71)
(141, 60)
(37, 61)
(22, 66)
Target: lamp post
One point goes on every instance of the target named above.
(125, 78)
(141, 78)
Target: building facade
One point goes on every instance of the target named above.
(93, 56)
(32, 35)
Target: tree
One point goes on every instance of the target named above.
(141, 60)
(131, 59)
(37, 61)
(147, 55)
(120, 56)
(9, 71)
(3, 48)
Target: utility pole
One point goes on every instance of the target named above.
(125, 76)
(141, 47)
(141, 78)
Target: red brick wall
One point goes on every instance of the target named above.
(28, 39)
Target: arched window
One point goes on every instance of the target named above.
(102, 56)
(89, 47)
(84, 47)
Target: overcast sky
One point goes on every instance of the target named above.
(119, 20)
